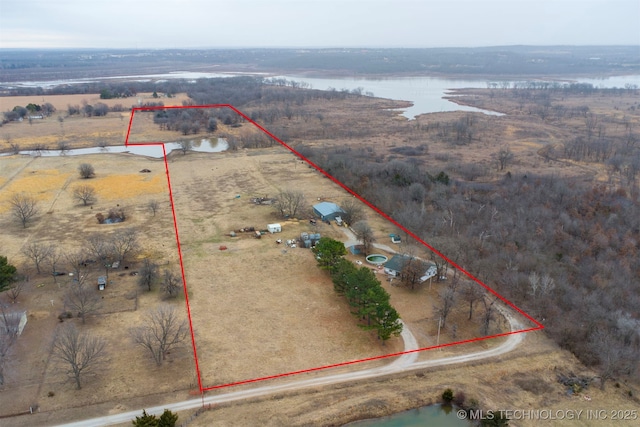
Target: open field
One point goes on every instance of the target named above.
(276, 309)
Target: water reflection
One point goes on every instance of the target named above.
(205, 145)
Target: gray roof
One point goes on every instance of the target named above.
(327, 208)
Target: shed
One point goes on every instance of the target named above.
(274, 228)
(327, 211)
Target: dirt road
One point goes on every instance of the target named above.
(405, 362)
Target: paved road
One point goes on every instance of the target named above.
(406, 362)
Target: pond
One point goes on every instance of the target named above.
(204, 145)
(432, 415)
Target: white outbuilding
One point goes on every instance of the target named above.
(274, 228)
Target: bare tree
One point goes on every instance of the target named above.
(504, 156)
(124, 243)
(471, 293)
(352, 211)
(162, 331)
(76, 261)
(412, 272)
(16, 288)
(83, 300)
(289, 202)
(447, 301)
(86, 170)
(153, 206)
(53, 261)
(15, 147)
(23, 207)
(80, 354)
(38, 252)
(171, 284)
(8, 334)
(489, 313)
(85, 194)
(148, 273)
(364, 233)
(185, 145)
(102, 249)
(63, 146)
(6, 342)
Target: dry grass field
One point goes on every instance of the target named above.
(76, 131)
(258, 308)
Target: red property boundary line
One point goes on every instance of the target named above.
(538, 325)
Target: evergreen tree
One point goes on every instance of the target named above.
(7, 273)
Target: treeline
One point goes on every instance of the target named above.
(368, 300)
(496, 60)
(565, 251)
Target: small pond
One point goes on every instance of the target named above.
(432, 415)
(215, 145)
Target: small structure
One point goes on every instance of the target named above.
(395, 238)
(396, 264)
(13, 322)
(274, 228)
(102, 282)
(327, 211)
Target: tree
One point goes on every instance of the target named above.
(7, 273)
(167, 419)
(80, 354)
(328, 252)
(124, 243)
(86, 171)
(352, 211)
(289, 202)
(171, 284)
(447, 301)
(83, 299)
(162, 331)
(412, 272)
(185, 145)
(145, 420)
(38, 252)
(212, 125)
(504, 156)
(16, 288)
(364, 233)
(23, 207)
(8, 335)
(488, 315)
(53, 261)
(447, 396)
(471, 293)
(153, 206)
(101, 249)
(85, 194)
(148, 274)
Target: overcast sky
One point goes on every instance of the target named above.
(316, 23)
